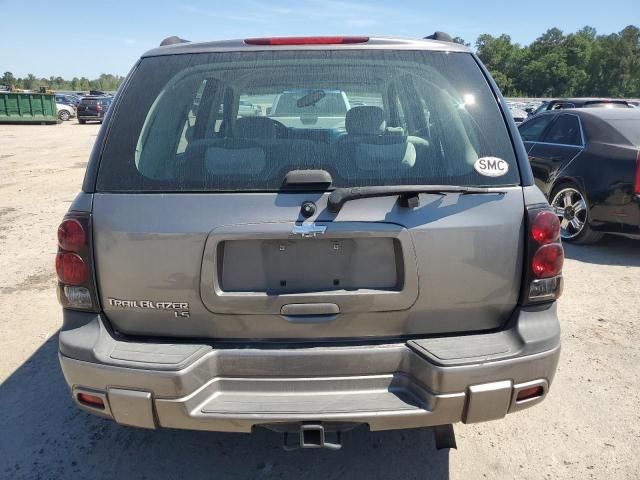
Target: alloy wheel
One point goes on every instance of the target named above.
(571, 208)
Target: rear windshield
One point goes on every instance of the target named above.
(368, 117)
(606, 105)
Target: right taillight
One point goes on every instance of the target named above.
(545, 256)
(74, 263)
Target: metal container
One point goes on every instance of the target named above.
(27, 108)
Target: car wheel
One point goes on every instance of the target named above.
(82, 122)
(569, 203)
(63, 115)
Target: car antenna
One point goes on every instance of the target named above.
(439, 36)
(173, 40)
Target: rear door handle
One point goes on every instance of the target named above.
(310, 312)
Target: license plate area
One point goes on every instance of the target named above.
(358, 266)
(310, 265)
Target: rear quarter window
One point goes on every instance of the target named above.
(382, 118)
(629, 128)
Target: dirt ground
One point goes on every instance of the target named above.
(589, 427)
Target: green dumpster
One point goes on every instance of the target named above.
(27, 108)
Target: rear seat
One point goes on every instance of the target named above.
(255, 149)
(281, 151)
(370, 146)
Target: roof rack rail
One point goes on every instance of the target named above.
(172, 41)
(440, 36)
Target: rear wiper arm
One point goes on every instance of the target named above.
(408, 193)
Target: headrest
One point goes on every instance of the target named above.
(262, 128)
(365, 120)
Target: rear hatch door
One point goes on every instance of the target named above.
(377, 269)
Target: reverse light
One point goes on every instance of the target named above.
(546, 288)
(334, 40)
(79, 297)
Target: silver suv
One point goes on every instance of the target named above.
(221, 272)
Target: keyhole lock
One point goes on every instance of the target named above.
(307, 209)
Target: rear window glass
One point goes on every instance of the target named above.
(606, 105)
(241, 121)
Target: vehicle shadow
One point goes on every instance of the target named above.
(611, 250)
(43, 435)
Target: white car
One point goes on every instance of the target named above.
(65, 112)
(518, 115)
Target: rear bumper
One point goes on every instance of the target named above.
(409, 384)
(84, 116)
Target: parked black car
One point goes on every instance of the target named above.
(564, 103)
(66, 99)
(93, 108)
(587, 163)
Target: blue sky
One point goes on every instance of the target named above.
(89, 38)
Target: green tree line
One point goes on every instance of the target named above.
(106, 82)
(579, 64)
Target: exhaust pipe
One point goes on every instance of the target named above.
(312, 435)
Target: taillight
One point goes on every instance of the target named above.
(334, 40)
(545, 257)
(74, 263)
(546, 227)
(71, 268)
(71, 235)
(547, 261)
(636, 184)
(98, 108)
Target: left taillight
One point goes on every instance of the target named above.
(545, 256)
(74, 264)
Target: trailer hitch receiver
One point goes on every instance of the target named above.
(312, 435)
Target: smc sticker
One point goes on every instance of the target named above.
(491, 166)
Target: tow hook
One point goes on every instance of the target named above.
(311, 435)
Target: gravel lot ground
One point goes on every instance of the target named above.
(589, 427)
